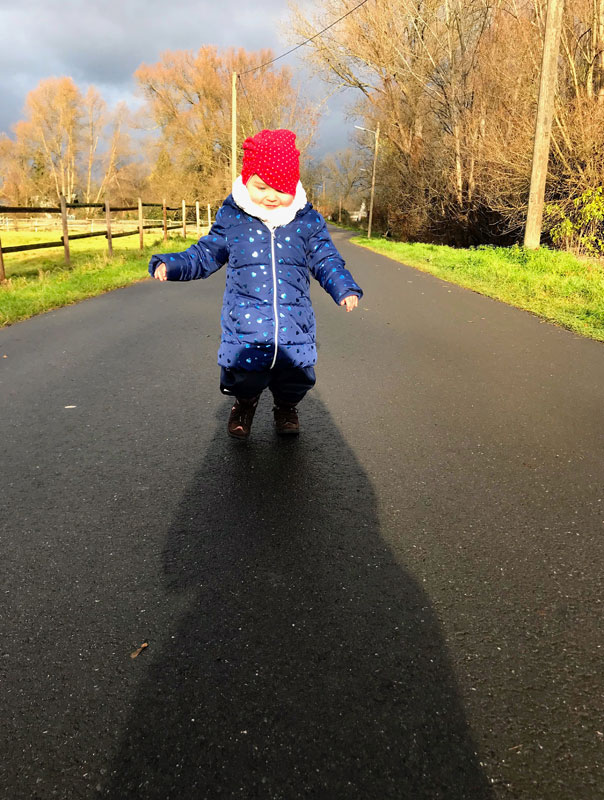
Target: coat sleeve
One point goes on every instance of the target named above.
(328, 266)
(208, 255)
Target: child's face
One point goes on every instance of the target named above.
(264, 195)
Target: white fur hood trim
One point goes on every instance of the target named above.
(274, 217)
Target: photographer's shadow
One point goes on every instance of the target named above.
(309, 662)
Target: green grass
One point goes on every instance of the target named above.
(345, 227)
(38, 281)
(557, 286)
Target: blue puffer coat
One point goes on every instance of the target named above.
(267, 316)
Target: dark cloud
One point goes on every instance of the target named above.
(103, 44)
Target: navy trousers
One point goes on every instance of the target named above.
(288, 384)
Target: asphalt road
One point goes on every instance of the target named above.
(404, 603)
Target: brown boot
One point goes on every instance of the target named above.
(242, 416)
(286, 419)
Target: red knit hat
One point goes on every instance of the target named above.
(272, 155)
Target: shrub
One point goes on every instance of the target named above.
(579, 226)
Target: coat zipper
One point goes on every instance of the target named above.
(275, 306)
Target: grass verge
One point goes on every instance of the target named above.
(345, 227)
(555, 285)
(36, 285)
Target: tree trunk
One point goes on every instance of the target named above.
(91, 153)
(458, 165)
(599, 52)
(452, 103)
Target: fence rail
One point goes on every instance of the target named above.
(108, 234)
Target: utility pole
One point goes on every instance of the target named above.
(543, 125)
(234, 129)
(376, 133)
(377, 138)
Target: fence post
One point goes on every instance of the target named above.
(165, 221)
(209, 217)
(184, 220)
(197, 216)
(140, 224)
(108, 234)
(65, 230)
(2, 272)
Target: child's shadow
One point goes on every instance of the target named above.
(308, 662)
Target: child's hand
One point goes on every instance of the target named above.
(350, 302)
(160, 273)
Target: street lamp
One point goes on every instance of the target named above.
(376, 133)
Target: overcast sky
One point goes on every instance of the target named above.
(102, 43)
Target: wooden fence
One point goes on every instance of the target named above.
(66, 238)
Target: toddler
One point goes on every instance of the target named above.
(272, 240)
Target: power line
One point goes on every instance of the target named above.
(246, 96)
(298, 46)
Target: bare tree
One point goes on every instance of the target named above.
(16, 171)
(95, 111)
(344, 173)
(453, 84)
(53, 129)
(117, 156)
(189, 101)
(412, 61)
(69, 144)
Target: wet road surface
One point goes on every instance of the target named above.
(406, 602)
